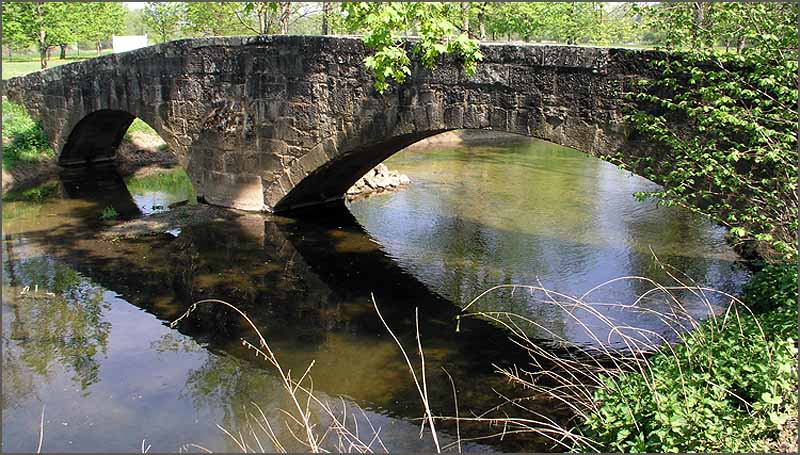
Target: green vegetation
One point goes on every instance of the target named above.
(384, 24)
(175, 182)
(48, 25)
(729, 387)
(37, 194)
(737, 161)
(23, 139)
(139, 126)
(109, 213)
(732, 383)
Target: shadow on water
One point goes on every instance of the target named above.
(307, 284)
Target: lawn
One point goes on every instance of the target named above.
(14, 69)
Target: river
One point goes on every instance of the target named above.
(86, 333)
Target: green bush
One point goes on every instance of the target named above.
(109, 213)
(24, 140)
(729, 387)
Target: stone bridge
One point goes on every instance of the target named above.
(280, 122)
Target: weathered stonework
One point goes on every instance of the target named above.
(279, 122)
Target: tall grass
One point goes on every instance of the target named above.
(727, 383)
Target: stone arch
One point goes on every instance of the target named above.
(275, 122)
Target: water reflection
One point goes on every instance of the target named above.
(306, 285)
(535, 213)
(99, 354)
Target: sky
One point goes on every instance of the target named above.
(134, 5)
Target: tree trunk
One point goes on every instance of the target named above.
(465, 17)
(740, 45)
(42, 49)
(699, 17)
(285, 11)
(326, 7)
(262, 22)
(42, 38)
(63, 55)
(482, 25)
(98, 48)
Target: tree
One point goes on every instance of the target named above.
(214, 18)
(100, 21)
(385, 26)
(735, 158)
(164, 18)
(270, 17)
(47, 24)
(326, 11)
(14, 35)
(134, 22)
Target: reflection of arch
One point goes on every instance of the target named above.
(96, 137)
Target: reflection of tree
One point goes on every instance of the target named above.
(17, 380)
(231, 386)
(57, 320)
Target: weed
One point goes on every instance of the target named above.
(109, 213)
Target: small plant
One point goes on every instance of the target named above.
(109, 213)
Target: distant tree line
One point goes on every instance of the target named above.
(49, 25)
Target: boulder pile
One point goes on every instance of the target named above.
(377, 180)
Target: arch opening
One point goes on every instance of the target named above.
(96, 137)
(330, 182)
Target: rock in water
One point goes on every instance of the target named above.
(377, 180)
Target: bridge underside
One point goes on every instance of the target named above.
(96, 138)
(331, 181)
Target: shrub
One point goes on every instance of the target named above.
(24, 140)
(728, 387)
(109, 213)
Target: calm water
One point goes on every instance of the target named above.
(86, 321)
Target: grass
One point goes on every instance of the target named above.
(16, 69)
(24, 64)
(139, 126)
(24, 142)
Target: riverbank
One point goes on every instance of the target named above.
(140, 154)
(730, 385)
